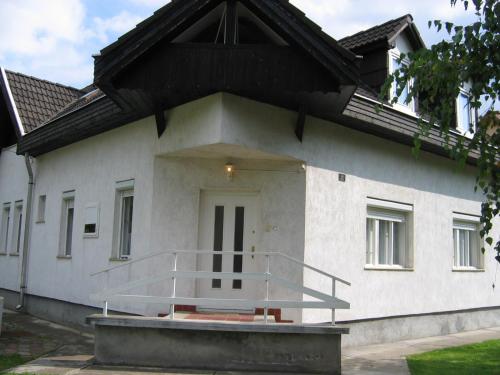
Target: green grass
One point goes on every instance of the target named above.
(9, 361)
(483, 359)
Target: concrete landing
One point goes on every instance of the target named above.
(217, 346)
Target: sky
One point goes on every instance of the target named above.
(55, 39)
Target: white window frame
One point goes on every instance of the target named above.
(5, 228)
(68, 202)
(393, 213)
(17, 228)
(124, 189)
(92, 214)
(461, 129)
(42, 204)
(410, 107)
(470, 226)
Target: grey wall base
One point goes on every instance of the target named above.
(393, 329)
(372, 331)
(156, 342)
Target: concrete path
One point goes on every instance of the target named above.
(65, 351)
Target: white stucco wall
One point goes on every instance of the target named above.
(13, 188)
(335, 234)
(318, 218)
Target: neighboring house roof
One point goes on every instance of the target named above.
(37, 100)
(388, 31)
(77, 104)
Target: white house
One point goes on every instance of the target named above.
(241, 126)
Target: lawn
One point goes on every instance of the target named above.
(9, 361)
(483, 359)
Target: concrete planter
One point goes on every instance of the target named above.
(152, 342)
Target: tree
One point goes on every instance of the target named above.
(436, 75)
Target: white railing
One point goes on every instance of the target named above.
(323, 300)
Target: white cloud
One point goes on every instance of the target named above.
(150, 3)
(119, 24)
(55, 39)
(345, 17)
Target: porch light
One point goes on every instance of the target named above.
(229, 169)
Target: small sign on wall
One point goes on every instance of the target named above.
(91, 228)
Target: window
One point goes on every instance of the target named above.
(91, 226)
(124, 211)
(466, 245)
(387, 235)
(67, 220)
(41, 209)
(4, 234)
(18, 226)
(401, 103)
(465, 118)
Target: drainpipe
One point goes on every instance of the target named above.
(27, 226)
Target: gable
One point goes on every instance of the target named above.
(268, 51)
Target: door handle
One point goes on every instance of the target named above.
(253, 251)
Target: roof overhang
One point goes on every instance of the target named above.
(11, 104)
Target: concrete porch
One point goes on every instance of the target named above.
(217, 346)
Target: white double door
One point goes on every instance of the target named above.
(228, 223)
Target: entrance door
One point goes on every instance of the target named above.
(228, 222)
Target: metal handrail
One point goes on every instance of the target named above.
(211, 252)
(326, 301)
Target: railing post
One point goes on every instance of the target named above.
(268, 273)
(333, 296)
(105, 309)
(174, 279)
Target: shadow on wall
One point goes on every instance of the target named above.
(365, 156)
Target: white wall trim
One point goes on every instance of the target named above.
(390, 205)
(12, 102)
(466, 217)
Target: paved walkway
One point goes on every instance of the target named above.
(65, 351)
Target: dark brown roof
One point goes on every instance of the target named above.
(377, 33)
(77, 104)
(37, 100)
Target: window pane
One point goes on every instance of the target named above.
(19, 228)
(383, 238)
(239, 225)
(404, 94)
(461, 244)
(5, 229)
(218, 243)
(464, 118)
(126, 225)
(69, 229)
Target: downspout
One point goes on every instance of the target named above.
(27, 227)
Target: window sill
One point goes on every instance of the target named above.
(473, 270)
(91, 235)
(388, 268)
(3, 254)
(14, 254)
(66, 257)
(40, 222)
(119, 259)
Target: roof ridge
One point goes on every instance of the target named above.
(45, 81)
(408, 15)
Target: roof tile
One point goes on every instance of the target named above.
(38, 100)
(375, 34)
